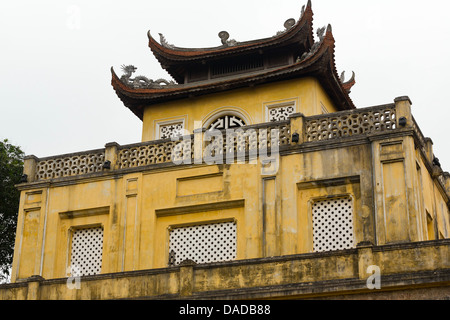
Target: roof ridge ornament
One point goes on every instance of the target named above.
(224, 36)
(164, 42)
(141, 82)
(303, 12)
(320, 33)
(347, 85)
(288, 24)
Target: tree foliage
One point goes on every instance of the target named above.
(11, 169)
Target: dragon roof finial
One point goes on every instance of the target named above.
(347, 85)
(141, 82)
(224, 36)
(164, 42)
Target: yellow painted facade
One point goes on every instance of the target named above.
(137, 210)
(267, 275)
(251, 103)
(370, 171)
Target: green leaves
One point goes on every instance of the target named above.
(11, 169)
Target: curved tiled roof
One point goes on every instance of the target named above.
(293, 33)
(175, 59)
(318, 63)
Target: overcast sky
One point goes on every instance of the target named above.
(55, 91)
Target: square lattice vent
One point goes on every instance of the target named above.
(333, 224)
(87, 247)
(204, 243)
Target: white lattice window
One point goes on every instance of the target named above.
(87, 247)
(333, 224)
(171, 130)
(205, 243)
(280, 112)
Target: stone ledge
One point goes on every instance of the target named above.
(325, 289)
(295, 276)
(437, 278)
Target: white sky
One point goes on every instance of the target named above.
(56, 55)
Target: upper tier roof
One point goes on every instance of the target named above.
(318, 62)
(298, 36)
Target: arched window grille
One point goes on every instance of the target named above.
(227, 122)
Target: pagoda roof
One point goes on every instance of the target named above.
(174, 59)
(319, 63)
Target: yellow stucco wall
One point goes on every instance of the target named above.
(307, 94)
(136, 210)
(387, 179)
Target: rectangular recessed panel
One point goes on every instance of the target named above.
(333, 224)
(205, 243)
(199, 184)
(33, 198)
(29, 246)
(395, 202)
(87, 247)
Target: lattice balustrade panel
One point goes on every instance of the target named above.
(183, 150)
(280, 113)
(87, 247)
(362, 122)
(243, 141)
(215, 145)
(205, 243)
(247, 139)
(333, 224)
(171, 130)
(283, 131)
(153, 154)
(419, 133)
(69, 166)
(156, 153)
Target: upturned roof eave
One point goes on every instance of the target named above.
(176, 55)
(321, 65)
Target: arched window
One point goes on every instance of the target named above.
(228, 121)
